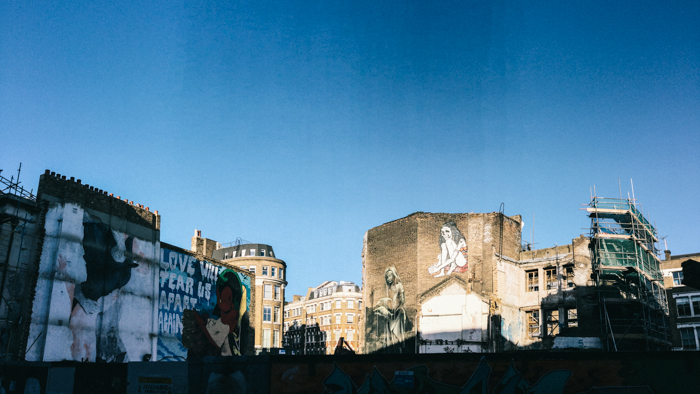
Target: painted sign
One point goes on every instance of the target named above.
(200, 309)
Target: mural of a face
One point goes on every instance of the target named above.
(446, 232)
(217, 332)
(453, 252)
(389, 276)
(228, 293)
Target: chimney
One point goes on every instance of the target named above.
(667, 254)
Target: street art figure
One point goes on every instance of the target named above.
(218, 335)
(453, 252)
(95, 302)
(390, 312)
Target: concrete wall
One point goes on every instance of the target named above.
(190, 304)
(97, 277)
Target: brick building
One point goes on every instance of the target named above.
(437, 282)
(683, 302)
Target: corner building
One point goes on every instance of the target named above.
(334, 306)
(270, 283)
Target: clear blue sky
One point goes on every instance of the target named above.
(303, 124)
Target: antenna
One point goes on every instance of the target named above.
(633, 199)
(619, 187)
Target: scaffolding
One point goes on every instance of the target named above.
(629, 283)
(17, 235)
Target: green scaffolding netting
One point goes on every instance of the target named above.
(626, 253)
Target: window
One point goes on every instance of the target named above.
(272, 254)
(533, 323)
(337, 319)
(351, 304)
(553, 322)
(281, 273)
(533, 280)
(678, 278)
(550, 278)
(252, 269)
(311, 308)
(350, 318)
(277, 293)
(265, 270)
(262, 252)
(688, 338)
(242, 252)
(338, 304)
(695, 301)
(252, 252)
(277, 315)
(273, 271)
(351, 335)
(276, 338)
(683, 306)
(244, 267)
(268, 292)
(569, 276)
(226, 255)
(266, 339)
(572, 318)
(286, 315)
(267, 314)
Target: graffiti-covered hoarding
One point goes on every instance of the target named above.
(202, 308)
(93, 299)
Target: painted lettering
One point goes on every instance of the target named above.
(189, 287)
(163, 301)
(180, 283)
(163, 277)
(190, 266)
(178, 303)
(171, 300)
(173, 261)
(171, 281)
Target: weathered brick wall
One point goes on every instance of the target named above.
(390, 245)
(56, 187)
(413, 245)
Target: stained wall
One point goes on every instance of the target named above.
(97, 276)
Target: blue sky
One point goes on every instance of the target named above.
(304, 124)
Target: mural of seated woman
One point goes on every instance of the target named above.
(453, 252)
(218, 334)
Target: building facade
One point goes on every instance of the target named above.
(270, 282)
(86, 278)
(334, 306)
(683, 302)
(436, 282)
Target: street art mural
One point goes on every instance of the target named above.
(416, 380)
(390, 314)
(93, 297)
(453, 255)
(201, 308)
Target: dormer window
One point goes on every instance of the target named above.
(262, 252)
